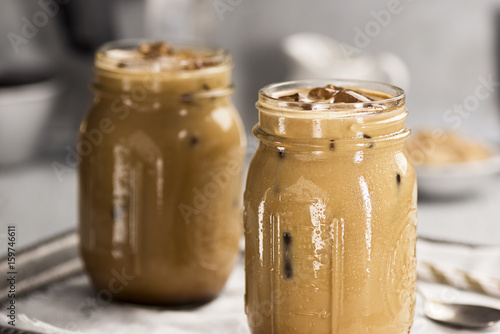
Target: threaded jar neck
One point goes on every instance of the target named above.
(316, 122)
(122, 66)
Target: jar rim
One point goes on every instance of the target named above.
(268, 101)
(217, 56)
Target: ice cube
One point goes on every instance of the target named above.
(333, 87)
(297, 97)
(322, 93)
(350, 96)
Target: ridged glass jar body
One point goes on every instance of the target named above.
(330, 217)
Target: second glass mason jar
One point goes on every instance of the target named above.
(162, 150)
(330, 211)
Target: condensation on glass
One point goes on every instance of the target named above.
(330, 215)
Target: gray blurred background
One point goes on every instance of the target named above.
(450, 48)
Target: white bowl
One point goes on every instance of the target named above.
(457, 179)
(24, 112)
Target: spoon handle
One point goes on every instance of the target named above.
(458, 279)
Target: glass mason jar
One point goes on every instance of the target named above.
(330, 214)
(162, 151)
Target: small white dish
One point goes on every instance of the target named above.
(457, 179)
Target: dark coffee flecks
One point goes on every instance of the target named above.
(194, 141)
(205, 86)
(186, 98)
(365, 136)
(287, 239)
(398, 178)
(281, 153)
(288, 269)
(121, 65)
(307, 106)
(287, 255)
(332, 145)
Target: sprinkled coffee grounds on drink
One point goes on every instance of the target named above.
(205, 86)
(366, 136)
(328, 94)
(166, 55)
(156, 50)
(398, 178)
(281, 153)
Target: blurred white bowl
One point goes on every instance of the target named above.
(457, 179)
(24, 111)
(317, 56)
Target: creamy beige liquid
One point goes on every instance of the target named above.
(330, 225)
(160, 212)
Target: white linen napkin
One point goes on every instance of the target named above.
(72, 306)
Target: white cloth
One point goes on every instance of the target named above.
(482, 261)
(73, 306)
(58, 309)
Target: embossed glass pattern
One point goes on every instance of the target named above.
(330, 215)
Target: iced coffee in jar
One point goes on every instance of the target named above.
(162, 149)
(330, 211)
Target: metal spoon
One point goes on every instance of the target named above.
(460, 315)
